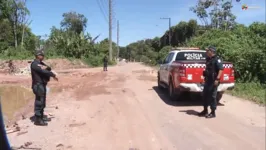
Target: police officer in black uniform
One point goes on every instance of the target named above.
(41, 74)
(105, 62)
(212, 74)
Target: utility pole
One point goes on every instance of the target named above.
(170, 32)
(110, 31)
(118, 39)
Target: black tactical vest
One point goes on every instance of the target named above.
(211, 69)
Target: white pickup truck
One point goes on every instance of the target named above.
(182, 71)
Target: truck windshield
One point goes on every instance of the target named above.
(182, 56)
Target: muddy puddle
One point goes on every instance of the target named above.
(13, 98)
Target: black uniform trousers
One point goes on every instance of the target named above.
(105, 67)
(209, 95)
(40, 98)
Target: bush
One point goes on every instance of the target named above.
(163, 52)
(93, 61)
(252, 91)
(96, 61)
(19, 53)
(239, 47)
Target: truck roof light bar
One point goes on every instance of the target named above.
(186, 48)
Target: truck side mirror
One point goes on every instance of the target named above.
(160, 62)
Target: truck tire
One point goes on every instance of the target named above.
(158, 82)
(173, 95)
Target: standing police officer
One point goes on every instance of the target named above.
(40, 74)
(212, 74)
(105, 62)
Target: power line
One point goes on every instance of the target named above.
(102, 10)
(104, 4)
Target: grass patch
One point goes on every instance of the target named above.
(252, 91)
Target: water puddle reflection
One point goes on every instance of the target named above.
(13, 98)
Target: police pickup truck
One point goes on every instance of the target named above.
(182, 72)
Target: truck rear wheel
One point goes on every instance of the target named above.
(173, 94)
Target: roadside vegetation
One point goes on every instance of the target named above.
(69, 41)
(244, 46)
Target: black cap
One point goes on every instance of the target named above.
(211, 48)
(39, 52)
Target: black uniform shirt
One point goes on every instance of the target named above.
(38, 74)
(105, 60)
(213, 66)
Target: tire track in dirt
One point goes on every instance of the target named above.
(140, 133)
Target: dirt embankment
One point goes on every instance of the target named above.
(57, 64)
(21, 69)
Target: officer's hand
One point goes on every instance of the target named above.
(44, 67)
(203, 82)
(216, 82)
(55, 78)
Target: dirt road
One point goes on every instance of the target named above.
(122, 109)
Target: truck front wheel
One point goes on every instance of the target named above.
(159, 82)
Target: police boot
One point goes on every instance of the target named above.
(203, 113)
(45, 118)
(39, 121)
(211, 115)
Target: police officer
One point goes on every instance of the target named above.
(212, 74)
(105, 62)
(41, 74)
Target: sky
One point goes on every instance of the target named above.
(138, 19)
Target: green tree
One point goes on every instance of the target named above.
(217, 12)
(73, 21)
(15, 11)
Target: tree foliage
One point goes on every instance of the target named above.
(14, 29)
(215, 14)
(74, 22)
(69, 41)
(243, 46)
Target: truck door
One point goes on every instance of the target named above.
(167, 70)
(162, 68)
(165, 66)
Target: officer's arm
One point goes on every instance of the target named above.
(220, 67)
(48, 67)
(38, 69)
